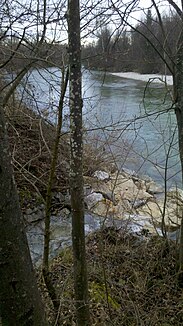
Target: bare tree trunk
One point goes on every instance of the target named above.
(20, 302)
(76, 177)
(178, 93)
(45, 267)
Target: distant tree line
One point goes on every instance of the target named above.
(130, 50)
(15, 54)
(125, 50)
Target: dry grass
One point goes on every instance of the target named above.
(31, 143)
(131, 281)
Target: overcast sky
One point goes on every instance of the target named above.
(163, 7)
(137, 14)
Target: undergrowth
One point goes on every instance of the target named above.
(132, 281)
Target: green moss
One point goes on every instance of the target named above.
(24, 194)
(66, 256)
(27, 196)
(98, 294)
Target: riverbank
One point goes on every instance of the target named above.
(151, 78)
(132, 272)
(111, 196)
(131, 281)
(115, 198)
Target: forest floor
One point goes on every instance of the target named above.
(132, 281)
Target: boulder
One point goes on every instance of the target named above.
(34, 214)
(65, 213)
(153, 188)
(106, 208)
(176, 194)
(92, 199)
(101, 175)
(128, 173)
(127, 189)
(139, 222)
(119, 193)
(173, 212)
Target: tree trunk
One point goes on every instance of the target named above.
(178, 93)
(76, 177)
(45, 266)
(20, 302)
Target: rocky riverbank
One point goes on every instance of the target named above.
(124, 195)
(119, 198)
(111, 196)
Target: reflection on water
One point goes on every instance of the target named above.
(138, 132)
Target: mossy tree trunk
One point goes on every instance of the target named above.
(178, 91)
(20, 302)
(76, 166)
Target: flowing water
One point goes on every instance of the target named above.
(123, 116)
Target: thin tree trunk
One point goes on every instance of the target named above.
(45, 267)
(76, 176)
(178, 93)
(20, 302)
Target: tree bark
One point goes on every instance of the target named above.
(76, 175)
(20, 302)
(178, 93)
(46, 251)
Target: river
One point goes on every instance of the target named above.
(121, 116)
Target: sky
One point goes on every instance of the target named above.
(138, 13)
(30, 21)
(163, 6)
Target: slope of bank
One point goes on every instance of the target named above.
(132, 277)
(110, 195)
(132, 281)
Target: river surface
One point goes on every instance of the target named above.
(124, 117)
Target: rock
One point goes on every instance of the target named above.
(139, 222)
(106, 208)
(98, 185)
(58, 196)
(28, 211)
(126, 189)
(152, 210)
(173, 212)
(34, 215)
(109, 195)
(153, 188)
(101, 175)
(124, 192)
(92, 199)
(176, 193)
(146, 178)
(65, 213)
(87, 189)
(128, 173)
(115, 196)
(138, 203)
(141, 184)
(175, 235)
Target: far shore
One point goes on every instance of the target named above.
(153, 78)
